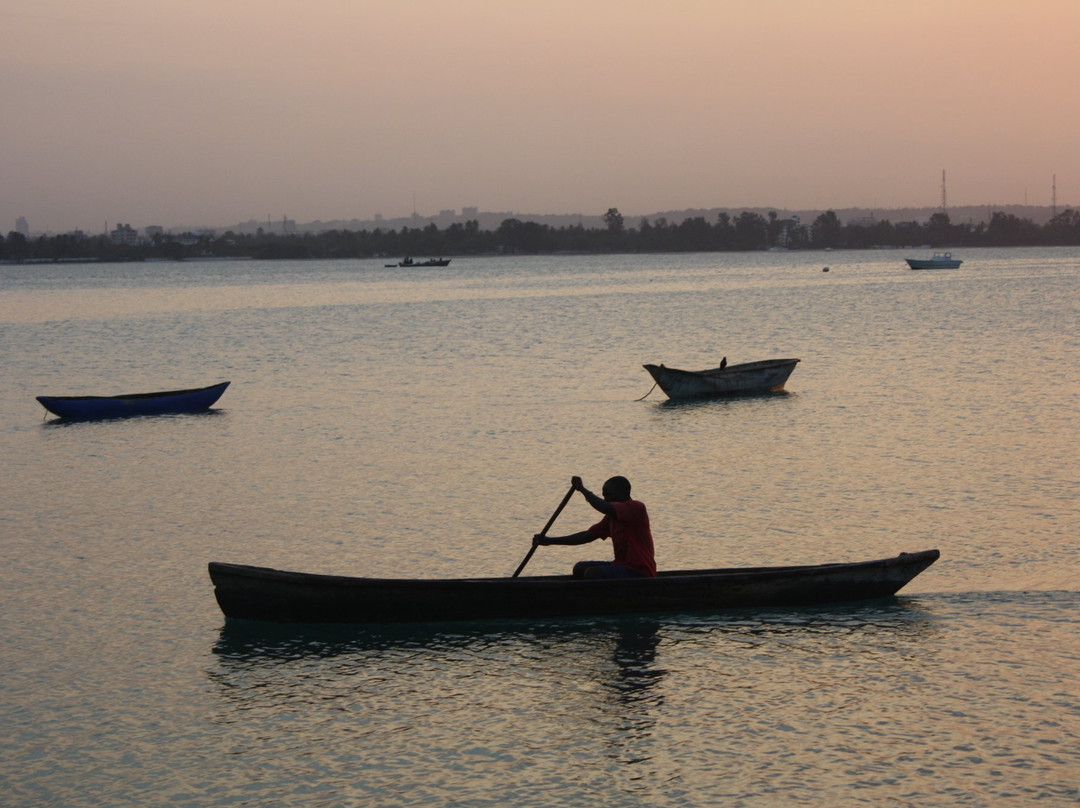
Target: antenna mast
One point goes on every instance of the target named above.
(1053, 198)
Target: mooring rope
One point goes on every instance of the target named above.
(647, 394)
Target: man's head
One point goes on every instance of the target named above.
(617, 489)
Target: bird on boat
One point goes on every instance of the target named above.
(723, 363)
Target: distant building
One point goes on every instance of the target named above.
(470, 213)
(22, 226)
(154, 230)
(124, 234)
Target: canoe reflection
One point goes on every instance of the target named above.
(510, 690)
(244, 643)
(264, 666)
(249, 642)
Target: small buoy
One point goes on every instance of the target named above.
(826, 269)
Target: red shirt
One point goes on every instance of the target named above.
(630, 536)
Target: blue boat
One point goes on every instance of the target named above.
(167, 401)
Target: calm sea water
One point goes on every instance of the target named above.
(425, 423)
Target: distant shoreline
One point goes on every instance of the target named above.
(746, 232)
(490, 220)
(922, 248)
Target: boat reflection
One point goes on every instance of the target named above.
(246, 643)
(610, 681)
(714, 402)
(249, 642)
(49, 421)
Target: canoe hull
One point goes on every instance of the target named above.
(169, 401)
(748, 378)
(260, 593)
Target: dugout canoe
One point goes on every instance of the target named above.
(747, 378)
(166, 401)
(260, 593)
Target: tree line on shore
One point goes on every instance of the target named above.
(745, 232)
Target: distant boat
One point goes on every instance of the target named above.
(261, 593)
(431, 262)
(765, 376)
(940, 260)
(168, 401)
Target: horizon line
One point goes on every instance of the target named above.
(459, 215)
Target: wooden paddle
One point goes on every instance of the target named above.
(543, 532)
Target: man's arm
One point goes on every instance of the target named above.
(599, 503)
(582, 537)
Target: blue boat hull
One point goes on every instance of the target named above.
(123, 406)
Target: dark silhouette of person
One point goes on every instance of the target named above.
(625, 522)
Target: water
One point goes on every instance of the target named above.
(426, 423)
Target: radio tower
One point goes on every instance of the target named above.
(944, 204)
(1053, 198)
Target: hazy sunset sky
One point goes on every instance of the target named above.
(191, 112)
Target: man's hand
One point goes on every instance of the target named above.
(539, 540)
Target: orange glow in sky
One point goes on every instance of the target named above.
(189, 112)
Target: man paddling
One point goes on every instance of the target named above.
(625, 522)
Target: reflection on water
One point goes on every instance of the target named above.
(53, 422)
(720, 402)
(244, 643)
(618, 661)
(632, 689)
(532, 697)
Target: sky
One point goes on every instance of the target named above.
(214, 112)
